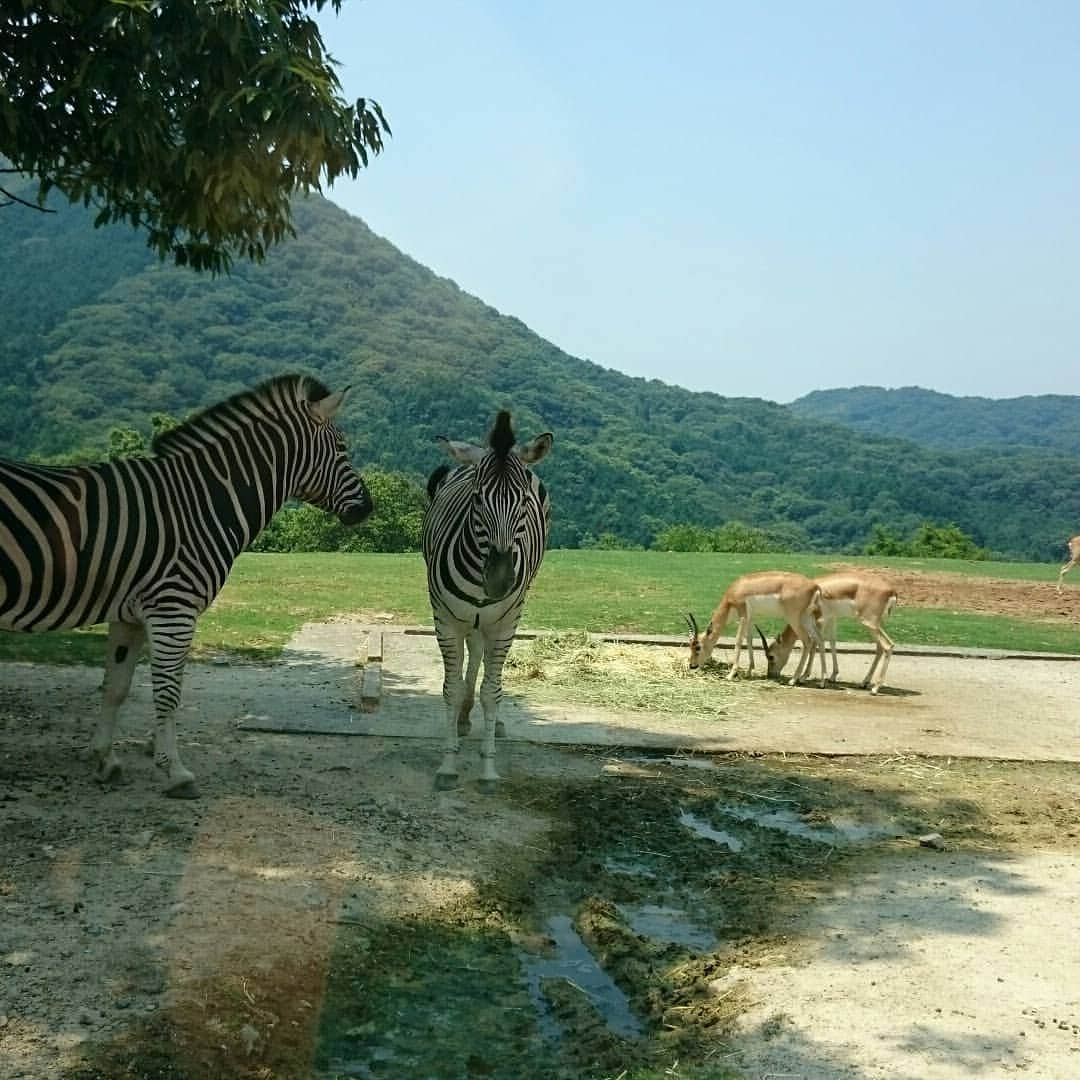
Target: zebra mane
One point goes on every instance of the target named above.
(240, 409)
(435, 480)
(501, 439)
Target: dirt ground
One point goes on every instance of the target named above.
(987, 596)
(321, 911)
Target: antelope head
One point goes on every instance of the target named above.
(779, 651)
(695, 641)
(774, 662)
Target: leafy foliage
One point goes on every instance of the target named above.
(193, 121)
(130, 442)
(929, 542)
(394, 525)
(1049, 421)
(125, 442)
(734, 536)
(98, 334)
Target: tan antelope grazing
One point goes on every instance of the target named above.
(846, 595)
(1074, 558)
(767, 594)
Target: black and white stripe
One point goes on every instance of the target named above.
(484, 537)
(145, 544)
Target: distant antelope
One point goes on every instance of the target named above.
(1074, 558)
(851, 594)
(770, 593)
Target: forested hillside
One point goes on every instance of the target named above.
(98, 333)
(1050, 421)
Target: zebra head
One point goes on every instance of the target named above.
(331, 482)
(503, 489)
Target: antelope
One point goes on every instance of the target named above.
(770, 593)
(1074, 558)
(849, 594)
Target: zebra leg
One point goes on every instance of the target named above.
(495, 650)
(170, 639)
(452, 647)
(476, 654)
(121, 654)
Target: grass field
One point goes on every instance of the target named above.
(268, 597)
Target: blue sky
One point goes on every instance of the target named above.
(755, 199)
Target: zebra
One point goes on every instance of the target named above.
(146, 543)
(484, 536)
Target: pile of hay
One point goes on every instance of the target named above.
(579, 667)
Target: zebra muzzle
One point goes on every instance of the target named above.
(356, 512)
(498, 574)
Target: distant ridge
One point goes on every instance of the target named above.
(98, 333)
(1047, 422)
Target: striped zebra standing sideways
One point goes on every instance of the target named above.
(484, 536)
(145, 544)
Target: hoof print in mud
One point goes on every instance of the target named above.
(186, 790)
(111, 777)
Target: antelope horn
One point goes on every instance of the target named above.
(764, 640)
(692, 623)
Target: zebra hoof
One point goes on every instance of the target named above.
(488, 787)
(186, 789)
(500, 730)
(446, 781)
(464, 725)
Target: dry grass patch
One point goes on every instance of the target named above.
(581, 668)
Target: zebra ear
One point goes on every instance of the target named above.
(326, 408)
(463, 453)
(532, 452)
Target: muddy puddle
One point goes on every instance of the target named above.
(609, 947)
(670, 925)
(835, 832)
(700, 827)
(575, 965)
(587, 921)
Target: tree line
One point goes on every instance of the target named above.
(400, 503)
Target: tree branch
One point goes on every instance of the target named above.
(22, 202)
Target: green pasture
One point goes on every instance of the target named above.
(268, 597)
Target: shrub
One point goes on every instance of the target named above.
(393, 526)
(929, 542)
(731, 536)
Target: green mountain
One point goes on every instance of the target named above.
(1049, 422)
(98, 333)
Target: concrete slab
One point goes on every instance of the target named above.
(974, 705)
